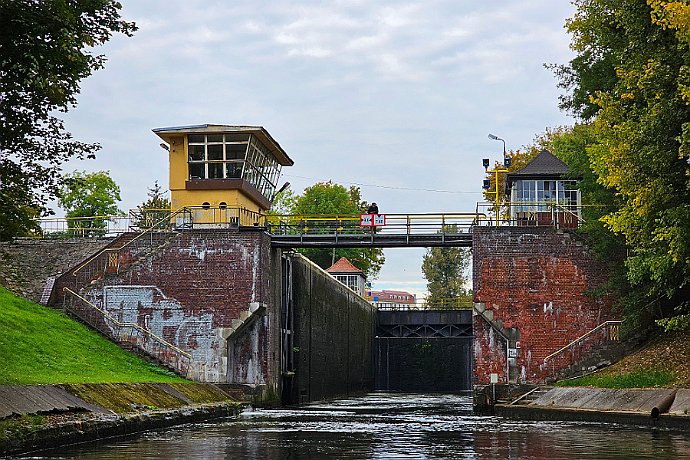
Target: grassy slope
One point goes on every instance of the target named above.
(663, 362)
(39, 345)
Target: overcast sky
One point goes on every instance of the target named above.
(387, 95)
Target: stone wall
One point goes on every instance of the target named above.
(334, 330)
(530, 287)
(26, 263)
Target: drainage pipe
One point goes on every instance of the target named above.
(664, 405)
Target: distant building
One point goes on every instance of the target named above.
(349, 275)
(391, 300)
(541, 193)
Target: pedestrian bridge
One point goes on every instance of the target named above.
(394, 231)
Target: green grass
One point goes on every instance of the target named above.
(39, 345)
(636, 379)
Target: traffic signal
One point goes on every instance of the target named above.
(506, 162)
(485, 161)
(487, 184)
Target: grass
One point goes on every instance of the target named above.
(644, 378)
(664, 362)
(39, 345)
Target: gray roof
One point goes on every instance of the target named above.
(259, 131)
(542, 166)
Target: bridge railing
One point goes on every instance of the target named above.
(349, 224)
(440, 304)
(531, 214)
(140, 220)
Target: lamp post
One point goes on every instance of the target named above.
(504, 169)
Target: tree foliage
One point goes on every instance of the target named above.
(641, 125)
(330, 198)
(45, 52)
(445, 270)
(154, 210)
(89, 195)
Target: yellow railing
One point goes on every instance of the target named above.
(137, 327)
(612, 331)
(426, 223)
(113, 253)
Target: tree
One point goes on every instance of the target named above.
(92, 196)
(154, 210)
(445, 271)
(45, 49)
(329, 198)
(642, 127)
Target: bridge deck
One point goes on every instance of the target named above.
(372, 240)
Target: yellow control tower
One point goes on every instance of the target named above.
(222, 167)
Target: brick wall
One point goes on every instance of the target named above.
(200, 289)
(530, 287)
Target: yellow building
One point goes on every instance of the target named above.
(222, 172)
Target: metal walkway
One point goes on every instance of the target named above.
(395, 231)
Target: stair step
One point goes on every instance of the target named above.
(47, 290)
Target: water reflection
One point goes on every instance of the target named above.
(389, 426)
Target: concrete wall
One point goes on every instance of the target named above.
(530, 286)
(334, 329)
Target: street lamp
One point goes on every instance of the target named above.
(496, 171)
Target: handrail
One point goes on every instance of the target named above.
(132, 325)
(579, 339)
(106, 250)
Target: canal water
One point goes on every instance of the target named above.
(382, 426)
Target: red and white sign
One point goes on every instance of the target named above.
(372, 220)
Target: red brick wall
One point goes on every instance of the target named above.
(533, 283)
(189, 292)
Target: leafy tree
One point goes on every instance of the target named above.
(45, 49)
(92, 196)
(445, 271)
(329, 198)
(642, 127)
(154, 210)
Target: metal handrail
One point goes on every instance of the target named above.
(132, 325)
(581, 338)
(110, 250)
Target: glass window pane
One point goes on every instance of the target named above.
(236, 137)
(234, 170)
(214, 138)
(235, 151)
(215, 152)
(215, 170)
(196, 171)
(196, 153)
(196, 138)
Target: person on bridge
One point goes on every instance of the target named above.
(373, 209)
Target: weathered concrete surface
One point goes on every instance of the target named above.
(36, 399)
(100, 427)
(681, 405)
(604, 399)
(625, 406)
(103, 411)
